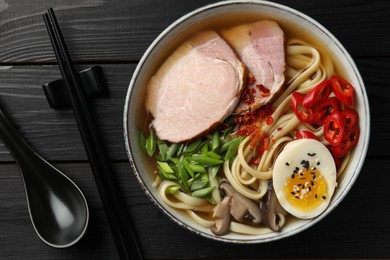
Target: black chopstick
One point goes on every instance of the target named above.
(119, 220)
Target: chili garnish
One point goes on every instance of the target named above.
(343, 90)
(305, 115)
(341, 125)
(325, 109)
(317, 95)
(303, 134)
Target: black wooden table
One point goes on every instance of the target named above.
(115, 34)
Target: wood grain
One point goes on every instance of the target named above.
(122, 30)
(115, 34)
(51, 131)
(350, 235)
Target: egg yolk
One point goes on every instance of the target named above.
(306, 189)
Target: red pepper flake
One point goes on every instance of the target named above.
(266, 143)
(264, 92)
(251, 78)
(280, 128)
(251, 123)
(247, 96)
(269, 120)
(255, 160)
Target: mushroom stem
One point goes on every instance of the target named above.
(241, 208)
(273, 214)
(222, 217)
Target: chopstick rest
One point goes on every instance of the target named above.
(120, 223)
(92, 81)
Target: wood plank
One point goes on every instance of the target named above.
(52, 131)
(362, 217)
(122, 30)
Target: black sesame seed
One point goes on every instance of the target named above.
(311, 154)
(309, 188)
(312, 183)
(296, 197)
(287, 164)
(297, 168)
(303, 162)
(292, 176)
(314, 177)
(324, 197)
(293, 193)
(316, 196)
(299, 184)
(312, 173)
(318, 163)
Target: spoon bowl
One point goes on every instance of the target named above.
(57, 207)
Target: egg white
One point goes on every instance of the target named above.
(290, 158)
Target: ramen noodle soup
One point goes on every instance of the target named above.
(275, 152)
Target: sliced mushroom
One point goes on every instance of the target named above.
(272, 213)
(241, 208)
(222, 217)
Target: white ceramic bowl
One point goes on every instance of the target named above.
(203, 18)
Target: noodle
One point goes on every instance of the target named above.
(305, 69)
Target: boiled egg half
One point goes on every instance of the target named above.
(304, 178)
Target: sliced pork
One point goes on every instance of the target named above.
(261, 46)
(196, 88)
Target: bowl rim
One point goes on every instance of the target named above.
(361, 155)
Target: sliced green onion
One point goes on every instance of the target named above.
(183, 174)
(197, 168)
(180, 149)
(164, 167)
(199, 184)
(213, 170)
(173, 189)
(193, 147)
(142, 141)
(188, 168)
(214, 155)
(204, 148)
(226, 145)
(233, 147)
(205, 160)
(226, 132)
(174, 160)
(215, 141)
(203, 192)
(151, 143)
(167, 176)
(163, 150)
(172, 150)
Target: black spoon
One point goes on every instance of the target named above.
(58, 209)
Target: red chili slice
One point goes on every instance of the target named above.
(318, 94)
(305, 115)
(303, 134)
(351, 118)
(343, 90)
(325, 109)
(348, 142)
(264, 92)
(334, 127)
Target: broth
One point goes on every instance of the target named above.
(218, 23)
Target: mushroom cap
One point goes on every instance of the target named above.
(272, 213)
(241, 208)
(222, 217)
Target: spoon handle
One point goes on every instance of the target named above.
(14, 142)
